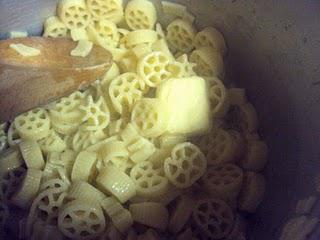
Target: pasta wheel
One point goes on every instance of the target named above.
(104, 32)
(111, 74)
(10, 159)
(58, 183)
(140, 14)
(255, 158)
(211, 37)
(111, 10)
(82, 49)
(4, 213)
(187, 67)
(78, 34)
(180, 35)
(13, 136)
(214, 217)
(162, 46)
(10, 181)
(140, 150)
(237, 96)
(115, 127)
(120, 216)
(96, 114)
(31, 154)
(149, 117)
(141, 36)
(53, 27)
(252, 192)
(83, 139)
(149, 180)
(34, 124)
(86, 192)
(153, 68)
(141, 49)
(174, 10)
(84, 166)
(150, 214)
(169, 141)
(54, 170)
(73, 13)
(223, 182)
(81, 220)
(128, 62)
(181, 213)
(28, 189)
(124, 91)
(185, 165)
(209, 62)
(218, 99)
(52, 143)
(119, 184)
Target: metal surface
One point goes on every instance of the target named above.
(274, 49)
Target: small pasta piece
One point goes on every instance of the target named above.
(120, 216)
(34, 124)
(111, 74)
(237, 96)
(304, 206)
(174, 10)
(85, 192)
(81, 220)
(140, 14)
(52, 143)
(111, 10)
(10, 159)
(141, 50)
(113, 181)
(114, 149)
(124, 91)
(53, 27)
(54, 170)
(115, 127)
(149, 117)
(153, 68)
(252, 192)
(128, 62)
(255, 158)
(219, 99)
(209, 62)
(150, 214)
(162, 46)
(31, 153)
(56, 183)
(141, 36)
(186, 66)
(180, 35)
(185, 165)
(149, 180)
(170, 140)
(82, 49)
(213, 217)
(104, 32)
(223, 182)
(28, 189)
(73, 13)
(211, 37)
(78, 34)
(18, 34)
(83, 139)
(181, 213)
(14, 137)
(84, 166)
(24, 50)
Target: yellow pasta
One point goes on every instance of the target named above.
(140, 14)
(25, 50)
(174, 10)
(150, 214)
(84, 166)
(104, 32)
(111, 74)
(113, 151)
(141, 36)
(170, 140)
(180, 35)
(119, 184)
(81, 220)
(82, 49)
(84, 191)
(73, 13)
(219, 99)
(255, 158)
(128, 62)
(111, 10)
(52, 143)
(53, 27)
(28, 189)
(10, 159)
(55, 183)
(211, 37)
(31, 154)
(14, 137)
(18, 34)
(115, 127)
(162, 46)
(149, 117)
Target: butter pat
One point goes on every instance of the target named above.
(17, 34)
(24, 50)
(187, 102)
(78, 34)
(82, 49)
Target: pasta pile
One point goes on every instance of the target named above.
(157, 149)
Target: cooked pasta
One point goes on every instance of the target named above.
(84, 166)
(84, 191)
(31, 154)
(53, 27)
(82, 49)
(111, 10)
(104, 32)
(10, 159)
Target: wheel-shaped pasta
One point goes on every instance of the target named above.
(140, 36)
(124, 91)
(169, 141)
(140, 14)
(181, 213)
(149, 117)
(115, 127)
(111, 74)
(4, 213)
(104, 32)
(14, 137)
(116, 182)
(153, 68)
(180, 35)
(73, 13)
(255, 158)
(82, 139)
(53, 27)
(84, 46)
(52, 143)
(84, 191)
(150, 214)
(58, 183)
(96, 114)
(120, 216)
(31, 153)
(106, 9)
(84, 166)
(162, 46)
(209, 62)
(34, 124)
(214, 217)
(223, 182)
(81, 220)
(187, 67)
(211, 37)
(219, 100)
(149, 180)
(185, 165)
(252, 192)
(10, 159)
(174, 10)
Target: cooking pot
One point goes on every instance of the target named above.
(274, 52)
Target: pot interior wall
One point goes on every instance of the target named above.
(274, 49)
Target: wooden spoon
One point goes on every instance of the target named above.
(28, 82)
